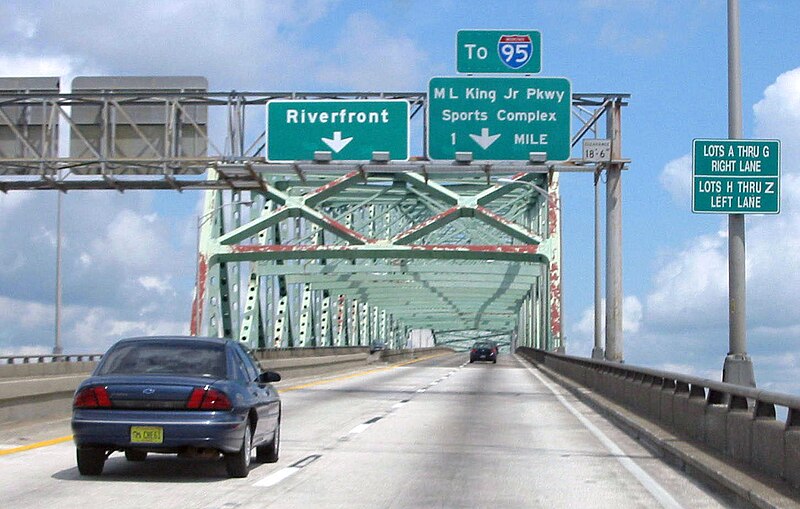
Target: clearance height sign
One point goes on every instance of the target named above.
(736, 176)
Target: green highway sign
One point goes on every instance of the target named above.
(736, 176)
(499, 119)
(351, 130)
(498, 51)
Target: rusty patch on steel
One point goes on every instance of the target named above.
(555, 300)
(437, 217)
(197, 305)
(333, 183)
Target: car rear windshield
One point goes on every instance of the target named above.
(165, 358)
(482, 345)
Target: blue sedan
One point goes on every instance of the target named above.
(197, 397)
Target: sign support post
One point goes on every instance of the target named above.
(614, 346)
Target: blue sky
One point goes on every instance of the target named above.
(129, 259)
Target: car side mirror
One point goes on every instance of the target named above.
(269, 377)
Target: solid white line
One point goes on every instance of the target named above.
(276, 477)
(659, 493)
(397, 405)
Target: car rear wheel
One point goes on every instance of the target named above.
(90, 460)
(238, 463)
(133, 455)
(269, 453)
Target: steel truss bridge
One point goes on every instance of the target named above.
(315, 253)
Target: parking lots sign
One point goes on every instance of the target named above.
(736, 176)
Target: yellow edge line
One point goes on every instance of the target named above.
(54, 441)
(36, 445)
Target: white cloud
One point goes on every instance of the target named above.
(26, 27)
(677, 179)
(581, 340)
(631, 316)
(369, 56)
(11, 201)
(778, 116)
(159, 285)
(247, 44)
(13, 65)
(131, 240)
(28, 327)
(97, 328)
(690, 288)
(691, 369)
(26, 315)
(126, 269)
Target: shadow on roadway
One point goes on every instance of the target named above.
(156, 468)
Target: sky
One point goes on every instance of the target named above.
(129, 259)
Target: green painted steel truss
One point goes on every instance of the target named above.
(316, 252)
(363, 257)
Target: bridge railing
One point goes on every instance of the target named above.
(41, 359)
(739, 422)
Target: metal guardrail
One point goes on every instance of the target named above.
(738, 422)
(41, 359)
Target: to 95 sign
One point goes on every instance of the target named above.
(515, 50)
(499, 51)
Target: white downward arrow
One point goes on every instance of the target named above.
(484, 140)
(337, 143)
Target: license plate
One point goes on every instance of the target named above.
(147, 434)
(483, 356)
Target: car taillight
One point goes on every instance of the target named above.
(205, 398)
(92, 397)
(474, 350)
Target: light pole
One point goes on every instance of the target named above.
(57, 347)
(738, 366)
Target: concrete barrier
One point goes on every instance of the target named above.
(738, 423)
(791, 465)
(47, 388)
(45, 369)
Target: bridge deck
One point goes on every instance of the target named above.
(448, 434)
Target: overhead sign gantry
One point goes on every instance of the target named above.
(338, 216)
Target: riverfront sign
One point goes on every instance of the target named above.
(498, 51)
(351, 130)
(736, 176)
(499, 118)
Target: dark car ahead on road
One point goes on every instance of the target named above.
(483, 351)
(186, 395)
